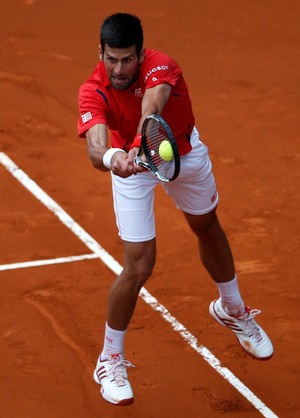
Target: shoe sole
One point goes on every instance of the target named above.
(123, 402)
(257, 358)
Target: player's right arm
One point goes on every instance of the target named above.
(97, 147)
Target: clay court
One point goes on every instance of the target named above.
(241, 61)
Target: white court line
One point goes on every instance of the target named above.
(107, 259)
(47, 262)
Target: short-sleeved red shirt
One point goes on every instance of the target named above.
(120, 110)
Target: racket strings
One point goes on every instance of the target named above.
(155, 135)
(155, 130)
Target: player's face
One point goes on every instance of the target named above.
(122, 66)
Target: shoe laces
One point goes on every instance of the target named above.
(118, 371)
(249, 325)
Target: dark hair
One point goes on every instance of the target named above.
(122, 30)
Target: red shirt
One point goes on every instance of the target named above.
(120, 110)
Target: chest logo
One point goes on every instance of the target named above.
(138, 92)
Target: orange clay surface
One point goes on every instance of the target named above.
(241, 61)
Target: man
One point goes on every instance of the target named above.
(128, 84)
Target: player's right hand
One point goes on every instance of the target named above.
(122, 165)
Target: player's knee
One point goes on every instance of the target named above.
(204, 225)
(144, 274)
(212, 231)
(139, 274)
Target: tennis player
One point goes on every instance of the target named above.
(128, 84)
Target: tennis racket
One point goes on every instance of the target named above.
(158, 152)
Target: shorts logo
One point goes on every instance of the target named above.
(213, 198)
(86, 117)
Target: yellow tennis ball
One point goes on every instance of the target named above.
(166, 151)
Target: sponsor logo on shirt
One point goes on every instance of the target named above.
(86, 117)
(138, 92)
(153, 70)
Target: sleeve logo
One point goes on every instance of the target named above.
(153, 70)
(86, 117)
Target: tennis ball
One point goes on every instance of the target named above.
(166, 151)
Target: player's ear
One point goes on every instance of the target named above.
(100, 52)
(142, 56)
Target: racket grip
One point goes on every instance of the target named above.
(140, 162)
(137, 160)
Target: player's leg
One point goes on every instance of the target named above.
(194, 192)
(217, 258)
(214, 248)
(229, 310)
(133, 204)
(139, 259)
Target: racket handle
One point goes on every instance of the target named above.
(140, 162)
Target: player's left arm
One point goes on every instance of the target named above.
(154, 101)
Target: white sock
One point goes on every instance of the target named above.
(113, 342)
(231, 298)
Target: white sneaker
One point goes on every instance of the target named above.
(111, 374)
(249, 334)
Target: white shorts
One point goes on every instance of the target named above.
(194, 191)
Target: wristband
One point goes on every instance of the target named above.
(108, 156)
(137, 141)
